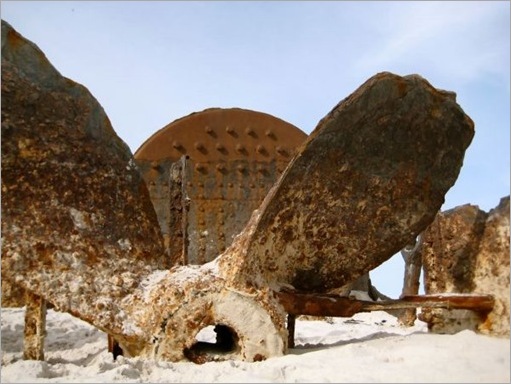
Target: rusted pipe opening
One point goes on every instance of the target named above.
(227, 343)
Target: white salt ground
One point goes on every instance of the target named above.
(369, 347)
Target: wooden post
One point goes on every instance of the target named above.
(35, 327)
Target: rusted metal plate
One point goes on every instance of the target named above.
(226, 160)
(78, 227)
(466, 250)
(366, 182)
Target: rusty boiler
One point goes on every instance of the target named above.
(208, 171)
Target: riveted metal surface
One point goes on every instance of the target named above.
(208, 171)
(218, 134)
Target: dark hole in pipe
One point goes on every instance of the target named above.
(202, 351)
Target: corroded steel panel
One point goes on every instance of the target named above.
(368, 180)
(221, 202)
(226, 160)
(78, 227)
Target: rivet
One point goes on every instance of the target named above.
(202, 222)
(249, 131)
(200, 167)
(229, 130)
(201, 209)
(220, 167)
(200, 185)
(220, 147)
(241, 168)
(154, 164)
(269, 133)
(201, 196)
(252, 185)
(281, 151)
(198, 145)
(189, 184)
(230, 185)
(208, 129)
(221, 210)
(240, 148)
(176, 144)
(260, 149)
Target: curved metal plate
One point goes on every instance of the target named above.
(223, 163)
(366, 182)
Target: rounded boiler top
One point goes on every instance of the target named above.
(224, 134)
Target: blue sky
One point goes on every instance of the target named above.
(151, 62)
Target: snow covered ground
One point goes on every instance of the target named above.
(369, 347)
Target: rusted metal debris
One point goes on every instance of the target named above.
(79, 229)
(300, 235)
(208, 171)
(368, 180)
(78, 226)
(339, 306)
(297, 304)
(466, 250)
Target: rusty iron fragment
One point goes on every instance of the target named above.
(79, 228)
(341, 306)
(368, 180)
(333, 305)
(466, 250)
(300, 237)
(319, 304)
